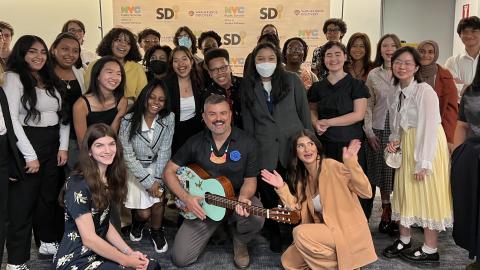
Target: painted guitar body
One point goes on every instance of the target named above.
(190, 178)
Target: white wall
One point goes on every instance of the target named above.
(418, 20)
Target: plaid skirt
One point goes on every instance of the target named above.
(378, 172)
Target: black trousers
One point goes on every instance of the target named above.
(33, 202)
(334, 150)
(4, 155)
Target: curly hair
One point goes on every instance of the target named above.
(285, 45)
(189, 32)
(147, 31)
(208, 34)
(338, 22)
(105, 46)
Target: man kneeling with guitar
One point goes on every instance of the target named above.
(221, 151)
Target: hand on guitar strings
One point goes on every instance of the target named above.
(193, 205)
(241, 211)
(274, 179)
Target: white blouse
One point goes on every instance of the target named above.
(420, 110)
(48, 107)
(187, 108)
(380, 87)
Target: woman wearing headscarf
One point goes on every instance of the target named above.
(442, 82)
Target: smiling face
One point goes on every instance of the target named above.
(357, 51)
(218, 118)
(220, 72)
(121, 46)
(76, 30)
(333, 32)
(103, 151)
(427, 52)
(307, 151)
(182, 65)
(295, 52)
(149, 41)
(387, 48)
(7, 37)
(470, 37)
(36, 56)
(155, 102)
(66, 53)
(335, 59)
(404, 68)
(110, 76)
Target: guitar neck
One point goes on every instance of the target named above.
(231, 204)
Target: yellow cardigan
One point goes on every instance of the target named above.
(135, 78)
(340, 184)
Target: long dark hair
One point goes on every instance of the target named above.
(94, 86)
(16, 63)
(366, 62)
(297, 172)
(280, 85)
(60, 37)
(116, 172)
(138, 108)
(197, 81)
(416, 57)
(105, 46)
(378, 56)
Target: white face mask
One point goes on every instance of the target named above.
(266, 69)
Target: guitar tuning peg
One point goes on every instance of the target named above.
(280, 206)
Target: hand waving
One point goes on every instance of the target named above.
(352, 149)
(274, 179)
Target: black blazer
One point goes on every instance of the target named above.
(174, 96)
(17, 163)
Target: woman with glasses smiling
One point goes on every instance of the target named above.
(294, 53)
(421, 191)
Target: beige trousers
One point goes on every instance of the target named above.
(313, 248)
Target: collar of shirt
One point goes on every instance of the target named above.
(207, 134)
(145, 127)
(465, 54)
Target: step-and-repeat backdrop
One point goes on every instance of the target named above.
(237, 22)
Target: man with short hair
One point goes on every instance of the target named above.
(224, 82)
(7, 31)
(464, 65)
(221, 150)
(148, 38)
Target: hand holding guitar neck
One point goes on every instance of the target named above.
(241, 211)
(274, 179)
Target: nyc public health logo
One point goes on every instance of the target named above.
(234, 11)
(309, 34)
(167, 13)
(130, 11)
(271, 13)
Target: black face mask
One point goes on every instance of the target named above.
(158, 66)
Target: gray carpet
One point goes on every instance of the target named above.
(221, 256)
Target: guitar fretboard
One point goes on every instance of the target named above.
(230, 204)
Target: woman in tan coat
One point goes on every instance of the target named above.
(334, 233)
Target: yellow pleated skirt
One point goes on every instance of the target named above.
(426, 203)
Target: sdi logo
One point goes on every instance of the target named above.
(234, 38)
(270, 13)
(167, 13)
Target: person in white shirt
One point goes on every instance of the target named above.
(77, 28)
(463, 65)
(40, 124)
(421, 191)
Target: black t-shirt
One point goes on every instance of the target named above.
(337, 100)
(241, 156)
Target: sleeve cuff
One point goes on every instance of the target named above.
(147, 182)
(423, 164)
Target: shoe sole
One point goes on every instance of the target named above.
(164, 248)
(419, 262)
(136, 239)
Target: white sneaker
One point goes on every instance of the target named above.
(17, 267)
(48, 249)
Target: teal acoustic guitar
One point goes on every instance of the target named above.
(219, 195)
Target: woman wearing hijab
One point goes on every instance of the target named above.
(442, 82)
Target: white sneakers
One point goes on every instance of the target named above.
(17, 267)
(48, 249)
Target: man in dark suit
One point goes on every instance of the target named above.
(11, 168)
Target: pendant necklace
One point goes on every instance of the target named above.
(67, 82)
(221, 159)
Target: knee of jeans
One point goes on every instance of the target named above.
(180, 259)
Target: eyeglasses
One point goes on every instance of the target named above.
(294, 49)
(399, 63)
(155, 40)
(219, 69)
(74, 31)
(333, 30)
